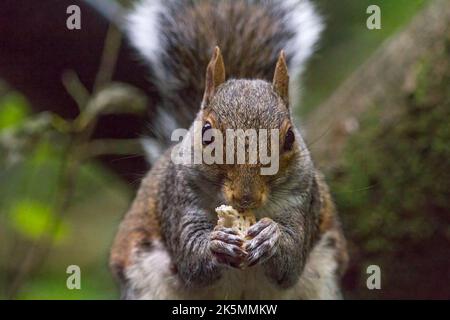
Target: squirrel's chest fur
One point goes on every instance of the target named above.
(245, 284)
(152, 277)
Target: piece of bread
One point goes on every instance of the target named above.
(231, 218)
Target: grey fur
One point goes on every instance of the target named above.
(189, 194)
(287, 256)
(176, 37)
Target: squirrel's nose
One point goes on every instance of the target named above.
(245, 202)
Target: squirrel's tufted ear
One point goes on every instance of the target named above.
(281, 78)
(215, 75)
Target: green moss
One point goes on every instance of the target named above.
(394, 186)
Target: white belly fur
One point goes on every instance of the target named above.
(151, 278)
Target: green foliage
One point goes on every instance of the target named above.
(34, 219)
(28, 192)
(48, 188)
(95, 284)
(14, 109)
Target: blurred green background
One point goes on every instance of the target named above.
(381, 229)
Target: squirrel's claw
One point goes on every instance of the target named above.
(226, 247)
(263, 245)
(228, 238)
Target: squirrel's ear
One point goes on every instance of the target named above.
(215, 75)
(281, 78)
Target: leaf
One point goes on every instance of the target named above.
(14, 109)
(33, 219)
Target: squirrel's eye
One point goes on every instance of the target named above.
(289, 139)
(207, 137)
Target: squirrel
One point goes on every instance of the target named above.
(168, 245)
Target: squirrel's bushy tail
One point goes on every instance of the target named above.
(176, 38)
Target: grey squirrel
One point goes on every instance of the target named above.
(169, 245)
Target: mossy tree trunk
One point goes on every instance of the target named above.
(383, 139)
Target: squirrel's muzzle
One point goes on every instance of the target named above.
(246, 202)
(245, 191)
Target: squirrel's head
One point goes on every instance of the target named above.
(255, 114)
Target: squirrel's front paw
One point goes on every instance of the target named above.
(263, 241)
(226, 247)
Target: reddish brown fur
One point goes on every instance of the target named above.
(140, 227)
(329, 222)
